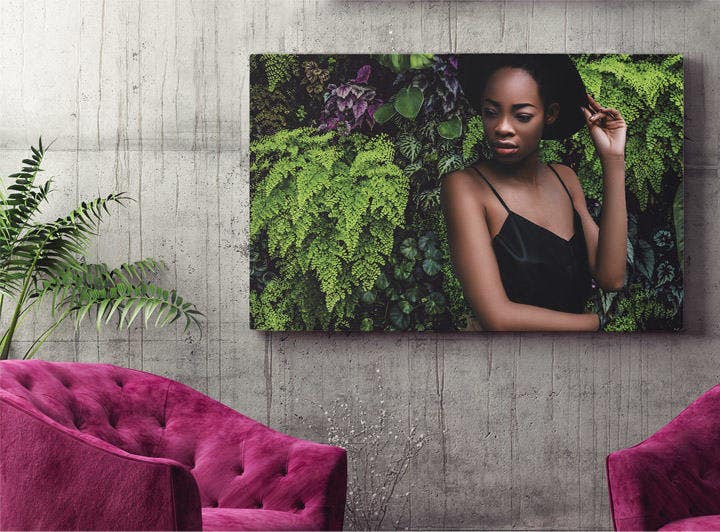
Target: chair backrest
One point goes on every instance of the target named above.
(121, 406)
(241, 463)
(236, 461)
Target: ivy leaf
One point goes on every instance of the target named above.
(630, 252)
(366, 324)
(405, 306)
(433, 252)
(431, 267)
(412, 294)
(403, 271)
(368, 297)
(426, 240)
(435, 303)
(665, 273)
(398, 318)
(382, 281)
(408, 248)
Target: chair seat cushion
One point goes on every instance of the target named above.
(704, 522)
(253, 519)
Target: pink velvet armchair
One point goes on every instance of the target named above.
(96, 446)
(671, 481)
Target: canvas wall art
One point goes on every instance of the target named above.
(466, 192)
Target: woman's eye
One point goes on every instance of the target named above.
(524, 118)
(489, 112)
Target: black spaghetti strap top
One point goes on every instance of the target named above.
(538, 267)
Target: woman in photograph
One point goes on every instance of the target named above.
(523, 244)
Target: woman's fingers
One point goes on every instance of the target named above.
(599, 110)
(593, 104)
(587, 114)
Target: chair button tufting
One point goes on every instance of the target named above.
(259, 505)
(214, 504)
(239, 469)
(300, 505)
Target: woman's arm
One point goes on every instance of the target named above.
(612, 239)
(608, 132)
(606, 245)
(476, 267)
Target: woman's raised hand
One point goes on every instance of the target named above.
(607, 128)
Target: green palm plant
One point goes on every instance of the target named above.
(39, 259)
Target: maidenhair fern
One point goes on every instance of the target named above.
(329, 206)
(648, 93)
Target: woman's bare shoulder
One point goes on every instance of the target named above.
(571, 180)
(462, 183)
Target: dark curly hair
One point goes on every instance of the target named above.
(550, 71)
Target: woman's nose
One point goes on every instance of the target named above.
(503, 127)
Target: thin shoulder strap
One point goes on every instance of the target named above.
(491, 188)
(561, 182)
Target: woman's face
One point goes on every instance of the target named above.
(513, 115)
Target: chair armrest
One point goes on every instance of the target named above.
(671, 475)
(54, 478)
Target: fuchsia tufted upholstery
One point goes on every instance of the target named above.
(671, 481)
(96, 446)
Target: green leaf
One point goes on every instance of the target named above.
(431, 266)
(368, 297)
(426, 240)
(433, 252)
(409, 101)
(420, 61)
(398, 318)
(382, 281)
(101, 312)
(678, 220)
(405, 306)
(149, 309)
(408, 248)
(384, 113)
(450, 129)
(403, 271)
(137, 310)
(396, 62)
(366, 324)
(645, 259)
(435, 303)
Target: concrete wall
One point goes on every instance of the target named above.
(151, 98)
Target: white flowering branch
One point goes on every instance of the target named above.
(380, 452)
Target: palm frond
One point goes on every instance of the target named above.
(49, 248)
(22, 203)
(71, 284)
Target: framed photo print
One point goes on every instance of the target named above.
(466, 192)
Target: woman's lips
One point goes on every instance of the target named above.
(503, 150)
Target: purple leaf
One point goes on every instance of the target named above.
(362, 75)
(359, 108)
(343, 91)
